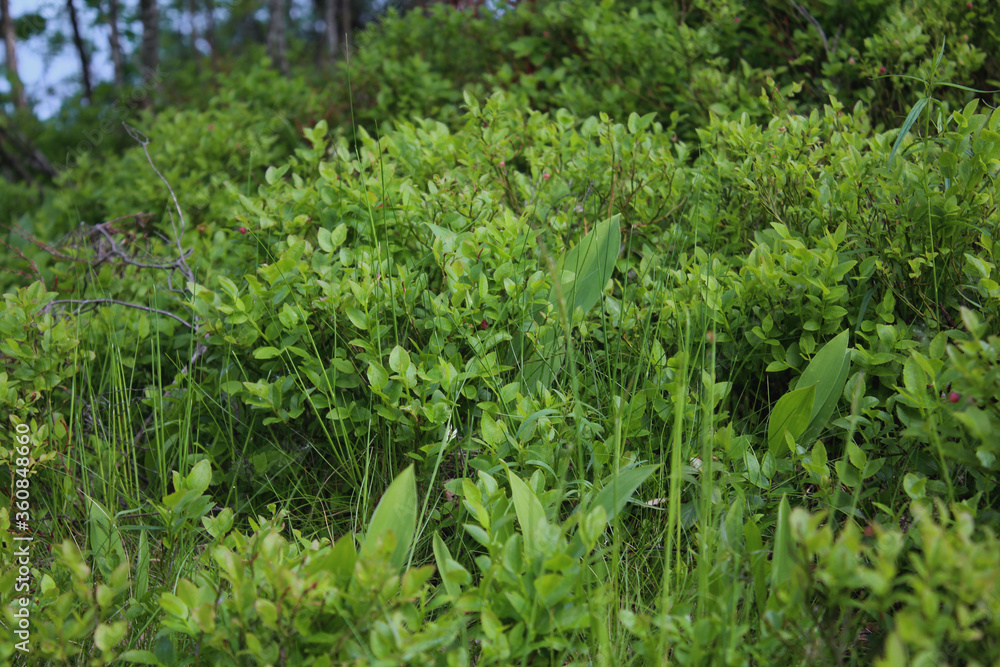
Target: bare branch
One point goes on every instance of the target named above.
(809, 17)
(143, 141)
(95, 302)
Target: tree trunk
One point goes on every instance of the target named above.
(115, 44)
(81, 48)
(332, 36)
(192, 14)
(276, 35)
(345, 19)
(150, 49)
(10, 40)
(210, 29)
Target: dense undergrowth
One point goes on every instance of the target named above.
(662, 336)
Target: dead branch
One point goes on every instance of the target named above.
(95, 302)
(144, 142)
(812, 20)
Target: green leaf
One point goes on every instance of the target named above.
(907, 124)
(914, 485)
(492, 432)
(266, 353)
(819, 455)
(792, 414)
(857, 456)
(781, 562)
(828, 371)
(530, 515)
(377, 376)
(399, 359)
(758, 562)
(104, 537)
(592, 261)
(581, 274)
(396, 512)
(200, 476)
(173, 605)
(109, 635)
(448, 238)
(754, 473)
(140, 658)
(341, 559)
(338, 235)
(451, 571)
(357, 318)
(142, 566)
(323, 239)
(732, 527)
(617, 491)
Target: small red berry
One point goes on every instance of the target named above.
(484, 326)
(881, 70)
(851, 61)
(211, 127)
(243, 230)
(736, 20)
(953, 397)
(545, 33)
(968, 5)
(546, 176)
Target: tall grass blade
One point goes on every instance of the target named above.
(911, 118)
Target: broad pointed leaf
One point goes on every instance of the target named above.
(396, 512)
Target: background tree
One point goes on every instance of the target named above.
(210, 29)
(114, 42)
(10, 42)
(81, 49)
(149, 14)
(277, 46)
(330, 30)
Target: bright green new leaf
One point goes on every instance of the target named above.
(142, 566)
(140, 657)
(396, 512)
(399, 359)
(200, 476)
(758, 562)
(377, 376)
(530, 515)
(492, 431)
(108, 635)
(104, 537)
(792, 414)
(323, 239)
(857, 456)
(615, 494)
(781, 561)
(591, 262)
(582, 274)
(911, 118)
(446, 566)
(828, 372)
